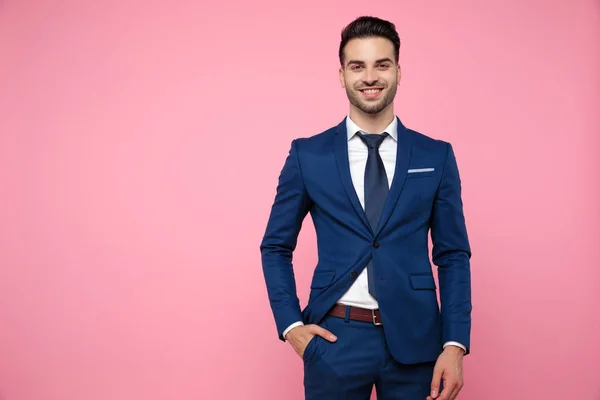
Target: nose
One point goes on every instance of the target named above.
(371, 76)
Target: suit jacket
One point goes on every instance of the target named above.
(425, 196)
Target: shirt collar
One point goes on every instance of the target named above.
(352, 128)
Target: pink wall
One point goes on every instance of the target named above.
(140, 143)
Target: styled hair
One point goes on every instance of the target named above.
(366, 27)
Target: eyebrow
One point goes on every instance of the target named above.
(376, 61)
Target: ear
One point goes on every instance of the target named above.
(399, 74)
(341, 75)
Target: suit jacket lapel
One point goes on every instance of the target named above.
(341, 157)
(402, 162)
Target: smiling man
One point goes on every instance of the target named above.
(375, 190)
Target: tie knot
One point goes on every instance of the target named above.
(373, 140)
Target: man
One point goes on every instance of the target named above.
(375, 189)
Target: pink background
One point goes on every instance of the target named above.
(140, 144)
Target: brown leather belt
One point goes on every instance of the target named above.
(357, 314)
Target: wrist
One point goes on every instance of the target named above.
(289, 328)
(292, 332)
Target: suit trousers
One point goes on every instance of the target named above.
(359, 360)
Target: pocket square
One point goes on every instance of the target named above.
(412, 171)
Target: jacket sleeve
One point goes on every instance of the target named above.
(452, 253)
(290, 207)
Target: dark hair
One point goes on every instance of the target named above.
(367, 26)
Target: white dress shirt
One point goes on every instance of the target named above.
(358, 294)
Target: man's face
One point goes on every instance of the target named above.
(370, 74)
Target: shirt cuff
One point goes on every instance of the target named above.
(292, 326)
(455, 344)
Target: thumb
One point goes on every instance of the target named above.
(435, 382)
(324, 333)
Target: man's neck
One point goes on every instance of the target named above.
(372, 123)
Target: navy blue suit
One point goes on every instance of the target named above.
(425, 196)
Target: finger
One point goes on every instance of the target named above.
(449, 387)
(324, 333)
(453, 395)
(455, 392)
(435, 382)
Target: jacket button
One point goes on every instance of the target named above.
(353, 274)
(376, 244)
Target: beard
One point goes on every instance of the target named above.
(370, 106)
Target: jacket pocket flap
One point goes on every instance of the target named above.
(422, 282)
(322, 279)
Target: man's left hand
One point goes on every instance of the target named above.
(448, 368)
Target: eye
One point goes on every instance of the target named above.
(384, 66)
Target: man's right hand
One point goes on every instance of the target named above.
(301, 335)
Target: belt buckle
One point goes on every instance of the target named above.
(374, 321)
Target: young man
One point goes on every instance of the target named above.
(374, 189)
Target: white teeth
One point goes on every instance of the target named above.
(372, 91)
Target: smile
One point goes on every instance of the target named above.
(371, 93)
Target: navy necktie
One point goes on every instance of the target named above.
(376, 190)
